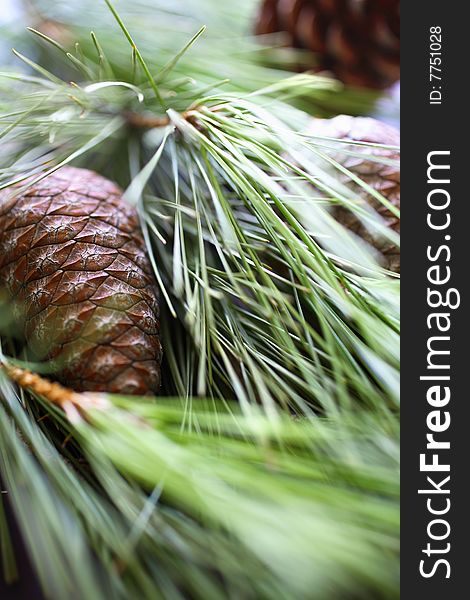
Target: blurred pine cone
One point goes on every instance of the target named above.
(358, 40)
(72, 259)
(381, 177)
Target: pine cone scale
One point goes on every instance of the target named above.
(73, 260)
(383, 178)
(359, 41)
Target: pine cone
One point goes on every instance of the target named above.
(72, 259)
(383, 178)
(358, 40)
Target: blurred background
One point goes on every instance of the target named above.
(355, 41)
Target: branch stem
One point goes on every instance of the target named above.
(71, 402)
(149, 122)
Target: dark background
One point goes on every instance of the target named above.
(27, 587)
(426, 128)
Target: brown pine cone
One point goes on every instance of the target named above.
(358, 40)
(383, 178)
(72, 259)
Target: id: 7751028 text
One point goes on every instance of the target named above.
(435, 64)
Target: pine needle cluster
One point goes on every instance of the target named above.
(268, 467)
